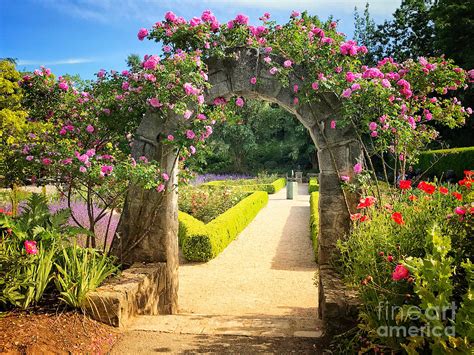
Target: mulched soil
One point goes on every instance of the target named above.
(54, 332)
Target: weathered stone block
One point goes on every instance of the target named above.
(136, 291)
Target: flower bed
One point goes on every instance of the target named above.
(408, 257)
(314, 221)
(202, 242)
(252, 184)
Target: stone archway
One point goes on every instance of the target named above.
(149, 225)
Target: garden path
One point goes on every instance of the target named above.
(260, 286)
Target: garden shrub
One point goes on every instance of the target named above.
(270, 188)
(313, 185)
(389, 253)
(314, 221)
(35, 241)
(456, 159)
(202, 242)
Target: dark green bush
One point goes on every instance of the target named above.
(202, 242)
(313, 185)
(314, 221)
(456, 159)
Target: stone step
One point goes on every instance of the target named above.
(247, 325)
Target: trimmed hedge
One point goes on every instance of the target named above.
(314, 221)
(313, 185)
(457, 159)
(203, 242)
(272, 188)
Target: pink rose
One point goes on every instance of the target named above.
(155, 102)
(346, 93)
(106, 170)
(239, 102)
(315, 86)
(63, 86)
(400, 273)
(273, 70)
(287, 63)
(160, 188)
(170, 137)
(358, 168)
(190, 134)
(46, 161)
(333, 124)
(142, 33)
(187, 114)
(165, 176)
(345, 178)
(82, 169)
(90, 128)
(253, 80)
(29, 158)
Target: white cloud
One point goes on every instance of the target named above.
(151, 10)
(55, 62)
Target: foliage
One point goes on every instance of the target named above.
(384, 238)
(314, 221)
(205, 204)
(270, 184)
(12, 117)
(30, 245)
(313, 185)
(433, 285)
(80, 271)
(202, 242)
(438, 162)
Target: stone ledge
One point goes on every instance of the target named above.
(338, 306)
(136, 291)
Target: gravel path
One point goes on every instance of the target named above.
(267, 270)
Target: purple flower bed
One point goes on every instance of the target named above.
(79, 211)
(201, 179)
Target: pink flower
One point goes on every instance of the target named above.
(170, 16)
(90, 128)
(187, 114)
(190, 134)
(239, 102)
(386, 83)
(46, 161)
(358, 168)
(67, 161)
(346, 93)
(333, 124)
(189, 89)
(400, 273)
(295, 101)
(315, 86)
(287, 63)
(195, 21)
(151, 62)
(273, 70)
(165, 176)
(192, 149)
(201, 117)
(253, 80)
(295, 88)
(355, 87)
(30, 247)
(101, 73)
(90, 153)
(29, 158)
(155, 102)
(373, 126)
(241, 19)
(345, 178)
(374, 134)
(106, 170)
(295, 14)
(348, 48)
(125, 85)
(160, 187)
(460, 211)
(62, 131)
(350, 77)
(142, 33)
(170, 137)
(82, 169)
(63, 86)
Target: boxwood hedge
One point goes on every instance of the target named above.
(202, 242)
(313, 185)
(314, 221)
(456, 159)
(272, 188)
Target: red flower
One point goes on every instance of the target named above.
(364, 218)
(465, 182)
(400, 273)
(398, 218)
(366, 202)
(412, 198)
(468, 174)
(443, 190)
(355, 216)
(30, 247)
(457, 195)
(426, 187)
(389, 258)
(405, 184)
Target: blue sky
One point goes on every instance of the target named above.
(83, 36)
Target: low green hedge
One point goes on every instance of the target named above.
(314, 221)
(313, 185)
(202, 242)
(456, 159)
(272, 188)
